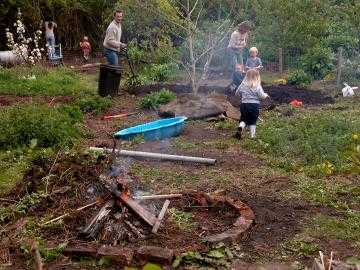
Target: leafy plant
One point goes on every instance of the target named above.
(156, 99)
(317, 62)
(134, 81)
(136, 53)
(24, 123)
(159, 72)
(28, 201)
(299, 77)
(94, 104)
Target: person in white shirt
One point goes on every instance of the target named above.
(112, 42)
(237, 43)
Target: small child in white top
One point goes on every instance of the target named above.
(251, 93)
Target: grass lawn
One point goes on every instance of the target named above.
(39, 80)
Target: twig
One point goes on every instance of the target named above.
(37, 256)
(322, 259)
(68, 214)
(331, 260)
(158, 197)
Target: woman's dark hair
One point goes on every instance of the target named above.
(50, 25)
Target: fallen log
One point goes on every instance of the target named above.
(156, 155)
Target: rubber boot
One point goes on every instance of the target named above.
(240, 130)
(252, 131)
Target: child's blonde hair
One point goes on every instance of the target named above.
(253, 49)
(252, 78)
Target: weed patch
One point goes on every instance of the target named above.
(156, 99)
(94, 104)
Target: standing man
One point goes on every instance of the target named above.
(237, 44)
(112, 42)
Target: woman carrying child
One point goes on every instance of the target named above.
(251, 93)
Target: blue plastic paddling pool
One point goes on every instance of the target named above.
(156, 130)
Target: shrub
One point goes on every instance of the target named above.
(155, 99)
(94, 104)
(317, 62)
(159, 72)
(48, 127)
(134, 81)
(299, 77)
(136, 54)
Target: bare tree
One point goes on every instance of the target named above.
(186, 18)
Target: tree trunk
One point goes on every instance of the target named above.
(193, 79)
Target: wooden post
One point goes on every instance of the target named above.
(281, 60)
(340, 61)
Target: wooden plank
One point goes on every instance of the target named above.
(148, 217)
(161, 216)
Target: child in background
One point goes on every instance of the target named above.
(86, 48)
(237, 77)
(253, 62)
(251, 93)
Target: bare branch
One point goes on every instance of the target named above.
(194, 7)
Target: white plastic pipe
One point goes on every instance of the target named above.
(156, 155)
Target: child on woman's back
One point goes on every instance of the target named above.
(251, 93)
(253, 62)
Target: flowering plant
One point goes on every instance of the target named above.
(27, 49)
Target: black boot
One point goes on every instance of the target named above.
(238, 133)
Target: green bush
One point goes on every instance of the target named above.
(317, 62)
(159, 72)
(94, 104)
(155, 99)
(136, 54)
(299, 77)
(134, 81)
(36, 124)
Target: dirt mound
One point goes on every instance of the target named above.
(283, 94)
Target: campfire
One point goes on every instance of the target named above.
(127, 220)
